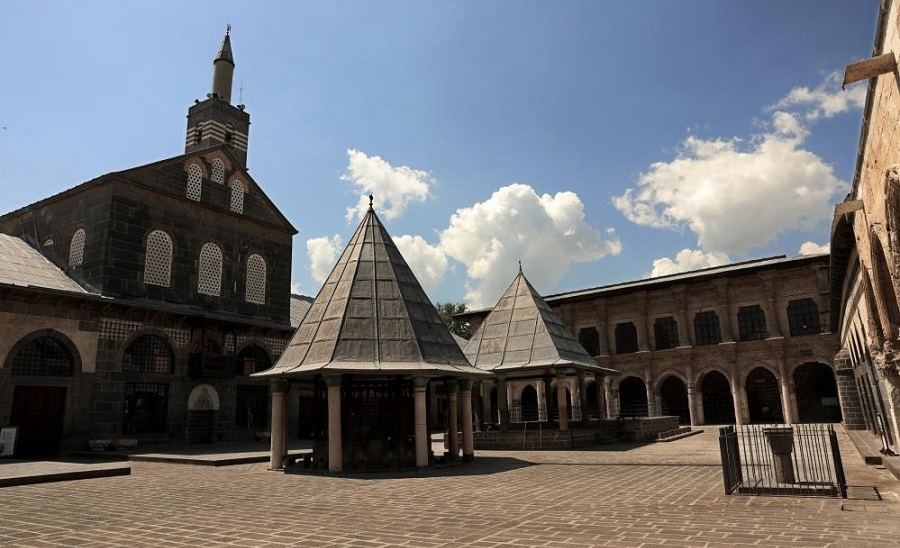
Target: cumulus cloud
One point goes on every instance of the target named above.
(825, 100)
(394, 188)
(687, 260)
(295, 288)
(547, 233)
(812, 248)
(428, 262)
(323, 254)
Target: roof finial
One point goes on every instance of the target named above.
(520, 267)
(227, 29)
(370, 201)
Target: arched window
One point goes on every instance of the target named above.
(76, 248)
(803, 317)
(209, 275)
(251, 359)
(217, 173)
(752, 323)
(256, 280)
(149, 354)
(44, 356)
(158, 259)
(706, 328)
(194, 182)
(237, 196)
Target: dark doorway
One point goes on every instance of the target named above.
(591, 401)
(817, 394)
(495, 408)
(553, 412)
(632, 398)
(674, 399)
(718, 405)
(763, 397)
(529, 404)
(38, 411)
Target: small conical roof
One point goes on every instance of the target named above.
(522, 333)
(225, 50)
(372, 317)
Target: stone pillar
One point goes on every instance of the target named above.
(737, 397)
(599, 382)
(723, 310)
(422, 440)
(602, 327)
(680, 316)
(335, 443)
(611, 411)
(651, 395)
(465, 393)
(503, 401)
(278, 433)
(773, 318)
(548, 390)
(692, 402)
(787, 407)
(561, 401)
(452, 419)
(582, 397)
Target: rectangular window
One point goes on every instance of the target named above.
(626, 338)
(803, 317)
(706, 328)
(666, 333)
(590, 340)
(752, 323)
(146, 407)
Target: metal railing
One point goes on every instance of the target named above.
(782, 459)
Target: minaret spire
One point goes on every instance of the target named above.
(223, 69)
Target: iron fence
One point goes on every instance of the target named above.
(782, 459)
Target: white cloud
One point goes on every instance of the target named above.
(295, 288)
(428, 262)
(687, 260)
(547, 233)
(825, 100)
(812, 248)
(733, 195)
(323, 254)
(394, 188)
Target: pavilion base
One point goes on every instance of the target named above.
(537, 437)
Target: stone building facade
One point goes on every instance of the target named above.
(743, 343)
(182, 290)
(865, 243)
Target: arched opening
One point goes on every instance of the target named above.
(718, 405)
(763, 397)
(674, 399)
(817, 393)
(529, 404)
(885, 288)
(592, 411)
(632, 398)
(495, 407)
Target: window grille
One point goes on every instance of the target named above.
(626, 338)
(256, 280)
(194, 182)
(46, 357)
(251, 359)
(665, 331)
(158, 260)
(237, 197)
(76, 248)
(217, 173)
(149, 354)
(706, 328)
(146, 406)
(210, 272)
(590, 340)
(752, 323)
(803, 317)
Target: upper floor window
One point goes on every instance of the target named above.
(626, 338)
(256, 280)
(706, 328)
(209, 275)
(803, 317)
(76, 248)
(752, 323)
(149, 354)
(158, 259)
(251, 359)
(590, 340)
(237, 196)
(44, 356)
(217, 173)
(194, 182)
(666, 332)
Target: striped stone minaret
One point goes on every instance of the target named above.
(216, 121)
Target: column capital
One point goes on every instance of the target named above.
(332, 381)
(419, 383)
(279, 386)
(465, 384)
(452, 386)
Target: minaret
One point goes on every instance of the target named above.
(216, 121)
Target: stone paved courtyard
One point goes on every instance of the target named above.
(666, 494)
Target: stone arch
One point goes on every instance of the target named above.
(204, 397)
(202, 419)
(633, 397)
(717, 402)
(888, 309)
(261, 346)
(817, 393)
(135, 338)
(763, 395)
(673, 397)
(64, 342)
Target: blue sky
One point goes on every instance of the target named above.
(596, 142)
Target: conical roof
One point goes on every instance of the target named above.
(372, 317)
(225, 49)
(522, 333)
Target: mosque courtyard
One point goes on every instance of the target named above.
(667, 494)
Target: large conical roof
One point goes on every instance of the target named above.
(372, 317)
(523, 334)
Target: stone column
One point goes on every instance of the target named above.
(651, 395)
(277, 435)
(723, 310)
(452, 419)
(582, 397)
(680, 316)
(692, 402)
(465, 393)
(561, 401)
(422, 439)
(335, 445)
(773, 318)
(548, 390)
(599, 382)
(787, 408)
(503, 401)
(608, 396)
(642, 322)
(602, 327)
(737, 389)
